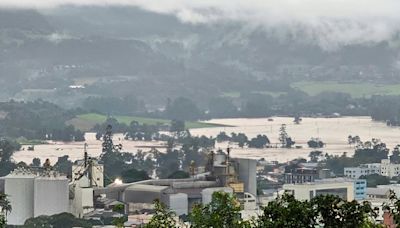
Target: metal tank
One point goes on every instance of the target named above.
(19, 186)
(219, 158)
(51, 195)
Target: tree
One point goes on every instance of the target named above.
(375, 179)
(222, 212)
(336, 212)
(183, 109)
(315, 143)
(63, 220)
(240, 138)
(284, 138)
(259, 142)
(108, 145)
(99, 135)
(179, 175)
(177, 126)
(371, 154)
(7, 149)
(222, 137)
(64, 165)
(321, 211)
(36, 162)
(163, 218)
(395, 157)
(286, 211)
(133, 175)
(297, 119)
(168, 163)
(5, 209)
(315, 155)
(119, 221)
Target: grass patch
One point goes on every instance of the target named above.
(356, 90)
(85, 122)
(24, 141)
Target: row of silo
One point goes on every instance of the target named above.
(31, 195)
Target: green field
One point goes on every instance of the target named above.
(86, 121)
(356, 90)
(24, 141)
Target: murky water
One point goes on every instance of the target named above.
(332, 131)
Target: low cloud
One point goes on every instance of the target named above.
(329, 23)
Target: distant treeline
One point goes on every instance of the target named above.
(37, 120)
(292, 103)
(44, 120)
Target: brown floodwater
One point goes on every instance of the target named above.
(332, 131)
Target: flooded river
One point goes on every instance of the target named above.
(332, 131)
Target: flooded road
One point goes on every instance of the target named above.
(332, 131)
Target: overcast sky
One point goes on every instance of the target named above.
(329, 22)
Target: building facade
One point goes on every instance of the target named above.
(344, 188)
(362, 170)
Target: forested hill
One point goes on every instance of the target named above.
(128, 52)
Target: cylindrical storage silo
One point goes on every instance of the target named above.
(219, 158)
(50, 195)
(248, 174)
(19, 188)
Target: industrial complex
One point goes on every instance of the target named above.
(35, 192)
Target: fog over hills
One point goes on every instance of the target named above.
(188, 49)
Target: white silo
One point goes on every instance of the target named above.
(248, 174)
(19, 188)
(51, 194)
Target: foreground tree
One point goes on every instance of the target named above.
(6, 208)
(223, 211)
(63, 220)
(163, 218)
(322, 211)
(287, 212)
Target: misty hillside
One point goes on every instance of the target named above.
(118, 51)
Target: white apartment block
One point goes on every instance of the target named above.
(341, 187)
(362, 170)
(388, 169)
(385, 168)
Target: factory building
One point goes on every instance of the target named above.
(34, 194)
(87, 175)
(80, 167)
(234, 176)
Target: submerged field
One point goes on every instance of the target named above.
(332, 131)
(356, 90)
(85, 122)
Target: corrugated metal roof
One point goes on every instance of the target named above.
(145, 187)
(377, 191)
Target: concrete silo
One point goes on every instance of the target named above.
(248, 174)
(19, 186)
(51, 194)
